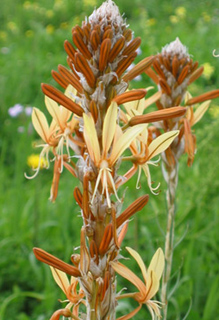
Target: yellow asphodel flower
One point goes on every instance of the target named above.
(69, 288)
(144, 152)
(46, 133)
(148, 288)
(114, 143)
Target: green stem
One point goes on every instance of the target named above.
(171, 176)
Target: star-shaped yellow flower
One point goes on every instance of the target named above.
(69, 288)
(105, 154)
(149, 287)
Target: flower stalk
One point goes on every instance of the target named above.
(171, 177)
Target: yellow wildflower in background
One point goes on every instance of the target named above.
(64, 25)
(174, 19)
(214, 111)
(34, 161)
(49, 13)
(92, 3)
(12, 26)
(3, 35)
(208, 70)
(206, 17)
(27, 5)
(151, 22)
(58, 4)
(50, 29)
(180, 12)
(29, 33)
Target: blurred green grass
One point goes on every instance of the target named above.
(31, 44)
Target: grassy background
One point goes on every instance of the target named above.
(31, 44)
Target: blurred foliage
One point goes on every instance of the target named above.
(31, 45)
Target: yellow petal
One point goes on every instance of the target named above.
(40, 124)
(200, 111)
(152, 286)
(109, 127)
(139, 260)
(91, 139)
(188, 96)
(124, 141)
(61, 279)
(134, 105)
(157, 263)
(71, 92)
(161, 143)
(54, 110)
(129, 275)
(152, 99)
(146, 170)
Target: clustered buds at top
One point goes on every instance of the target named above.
(173, 70)
(103, 48)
